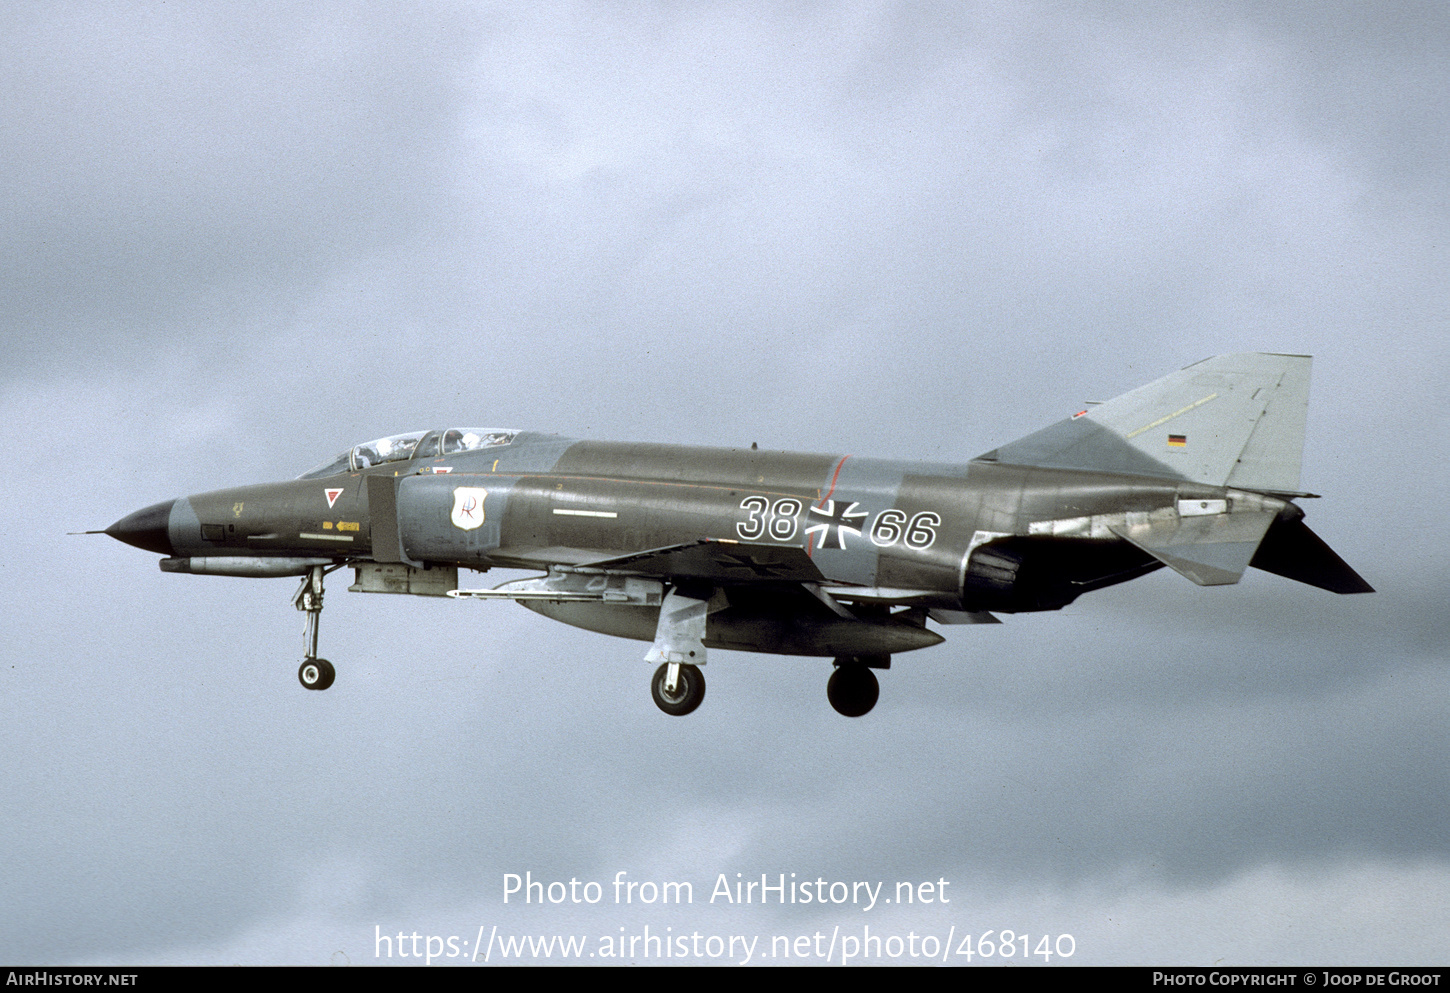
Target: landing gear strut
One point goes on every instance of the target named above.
(853, 689)
(314, 673)
(678, 685)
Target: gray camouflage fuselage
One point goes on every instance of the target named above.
(795, 554)
(1040, 536)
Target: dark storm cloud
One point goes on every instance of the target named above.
(168, 169)
(1376, 88)
(241, 243)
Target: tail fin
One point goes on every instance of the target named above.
(1233, 420)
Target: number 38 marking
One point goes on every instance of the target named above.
(779, 520)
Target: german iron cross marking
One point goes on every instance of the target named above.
(846, 520)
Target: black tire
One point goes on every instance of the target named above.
(853, 690)
(689, 690)
(316, 674)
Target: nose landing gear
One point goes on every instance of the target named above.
(314, 673)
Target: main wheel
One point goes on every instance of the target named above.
(853, 690)
(316, 674)
(688, 692)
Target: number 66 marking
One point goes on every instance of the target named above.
(891, 526)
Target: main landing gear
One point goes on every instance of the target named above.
(678, 688)
(314, 673)
(853, 689)
(678, 685)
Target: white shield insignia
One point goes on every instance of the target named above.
(468, 507)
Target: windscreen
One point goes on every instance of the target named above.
(400, 447)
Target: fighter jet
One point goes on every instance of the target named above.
(837, 556)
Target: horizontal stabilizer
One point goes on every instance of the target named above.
(1293, 551)
(1212, 550)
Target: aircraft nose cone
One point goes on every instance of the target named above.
(146, 528)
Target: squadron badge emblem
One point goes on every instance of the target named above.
(468, 507)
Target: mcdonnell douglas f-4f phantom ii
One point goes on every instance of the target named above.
(826, 555)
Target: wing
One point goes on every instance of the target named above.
(717, 560)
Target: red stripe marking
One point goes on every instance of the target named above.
(810, 554)
(836, 476)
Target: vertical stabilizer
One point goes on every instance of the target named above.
(1272, 457)
(1235, 420)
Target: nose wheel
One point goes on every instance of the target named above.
(314, 673)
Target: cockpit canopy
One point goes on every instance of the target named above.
(413, 445)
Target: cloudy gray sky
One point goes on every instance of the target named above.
(239, 240)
